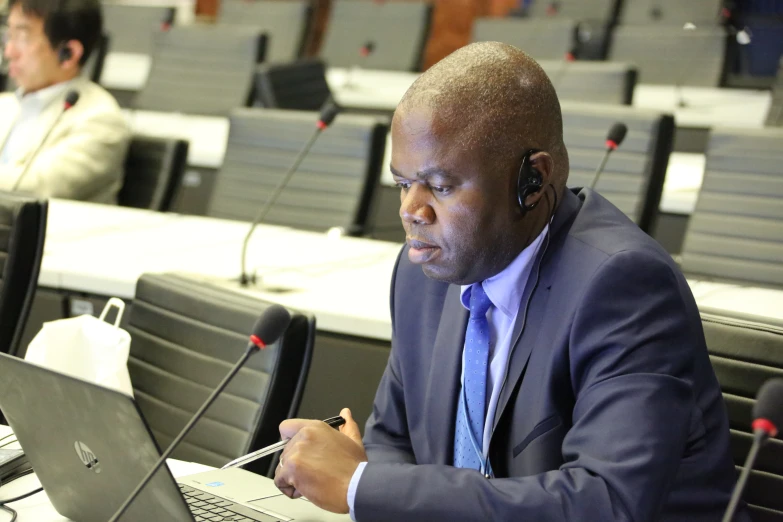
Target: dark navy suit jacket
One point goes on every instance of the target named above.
(610, 411)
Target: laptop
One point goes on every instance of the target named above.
(90, 446)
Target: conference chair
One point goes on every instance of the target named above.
(745, 353)
(736, 228)
(186, 335)
(299, 85)
(669, 55)
(203, 70)
(634, 175)
(775, 114)
(286, 24)
(135, 28)
(22, 233)
(593, 82)
(334, 186)
(605, 11)
(672, 12)
(397, 30)
(541, 39)
(153, 171)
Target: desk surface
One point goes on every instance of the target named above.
(344, 282)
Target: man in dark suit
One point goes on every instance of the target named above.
(548, 361)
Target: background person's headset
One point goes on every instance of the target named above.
(64, 54)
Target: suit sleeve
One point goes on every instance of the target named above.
(631, 347)
(388, 441)
(85, 160)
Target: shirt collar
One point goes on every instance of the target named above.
(505, 289)
(43, 96)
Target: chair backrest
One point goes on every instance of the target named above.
(285, 23)
(153, 171)
(354, 23)
(187, 334)
(135, 28)
(598, 10)
(541, 39)
(775, 114)
(203, 70)
(672, 12)
(672, 55)
(22, 233)
(634, 175)
(334, 185)
(744, 355)
(592, 82)
(299, 85)
(736, 229)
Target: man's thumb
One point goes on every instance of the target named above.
(350, 427)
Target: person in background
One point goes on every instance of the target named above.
(76, 154)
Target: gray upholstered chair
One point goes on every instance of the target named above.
(334, 185)
(135, 28)
(153, 171)
(285, 23)
(745, 354)
(186, 335)
(22, 234)
(593, 82)
(599, 10)
(398, 30)
(672, 12)
(736, 230)
(203, 70)
(671, 54)
(541, 39)
(775, 115)
(633, 177)
(299, 85)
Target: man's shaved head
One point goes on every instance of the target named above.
(495, 98)
(458, 139)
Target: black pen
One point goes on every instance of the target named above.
(334, 422)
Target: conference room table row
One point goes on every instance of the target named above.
(343, 281)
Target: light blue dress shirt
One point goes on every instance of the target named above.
(28, 119)
(505, 290)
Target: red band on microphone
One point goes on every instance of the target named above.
(321, 125)
(611, 145)
(258, 342)
(765, 426)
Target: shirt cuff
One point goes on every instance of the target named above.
(357, 475)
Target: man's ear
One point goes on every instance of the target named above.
(70, 54)
(544, 164)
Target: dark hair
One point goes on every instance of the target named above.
(65, 20)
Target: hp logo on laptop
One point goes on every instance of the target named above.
(87, 457)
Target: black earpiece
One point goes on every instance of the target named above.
(64, 54)
(529, 181)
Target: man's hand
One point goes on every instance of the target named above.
(318, 462)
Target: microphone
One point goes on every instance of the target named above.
(364, 51)
(570, 56)
(267, 330)
(168, 21)
(553, 8)
(329, 112)
(768, 415)
(613, 140)
(71, 98)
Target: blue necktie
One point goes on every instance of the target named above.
(476, 358)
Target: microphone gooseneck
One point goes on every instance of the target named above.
(267, 330)
(328, 113)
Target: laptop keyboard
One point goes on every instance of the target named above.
(209, 508)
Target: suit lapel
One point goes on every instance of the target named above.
(534, 301)
(444, 378)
